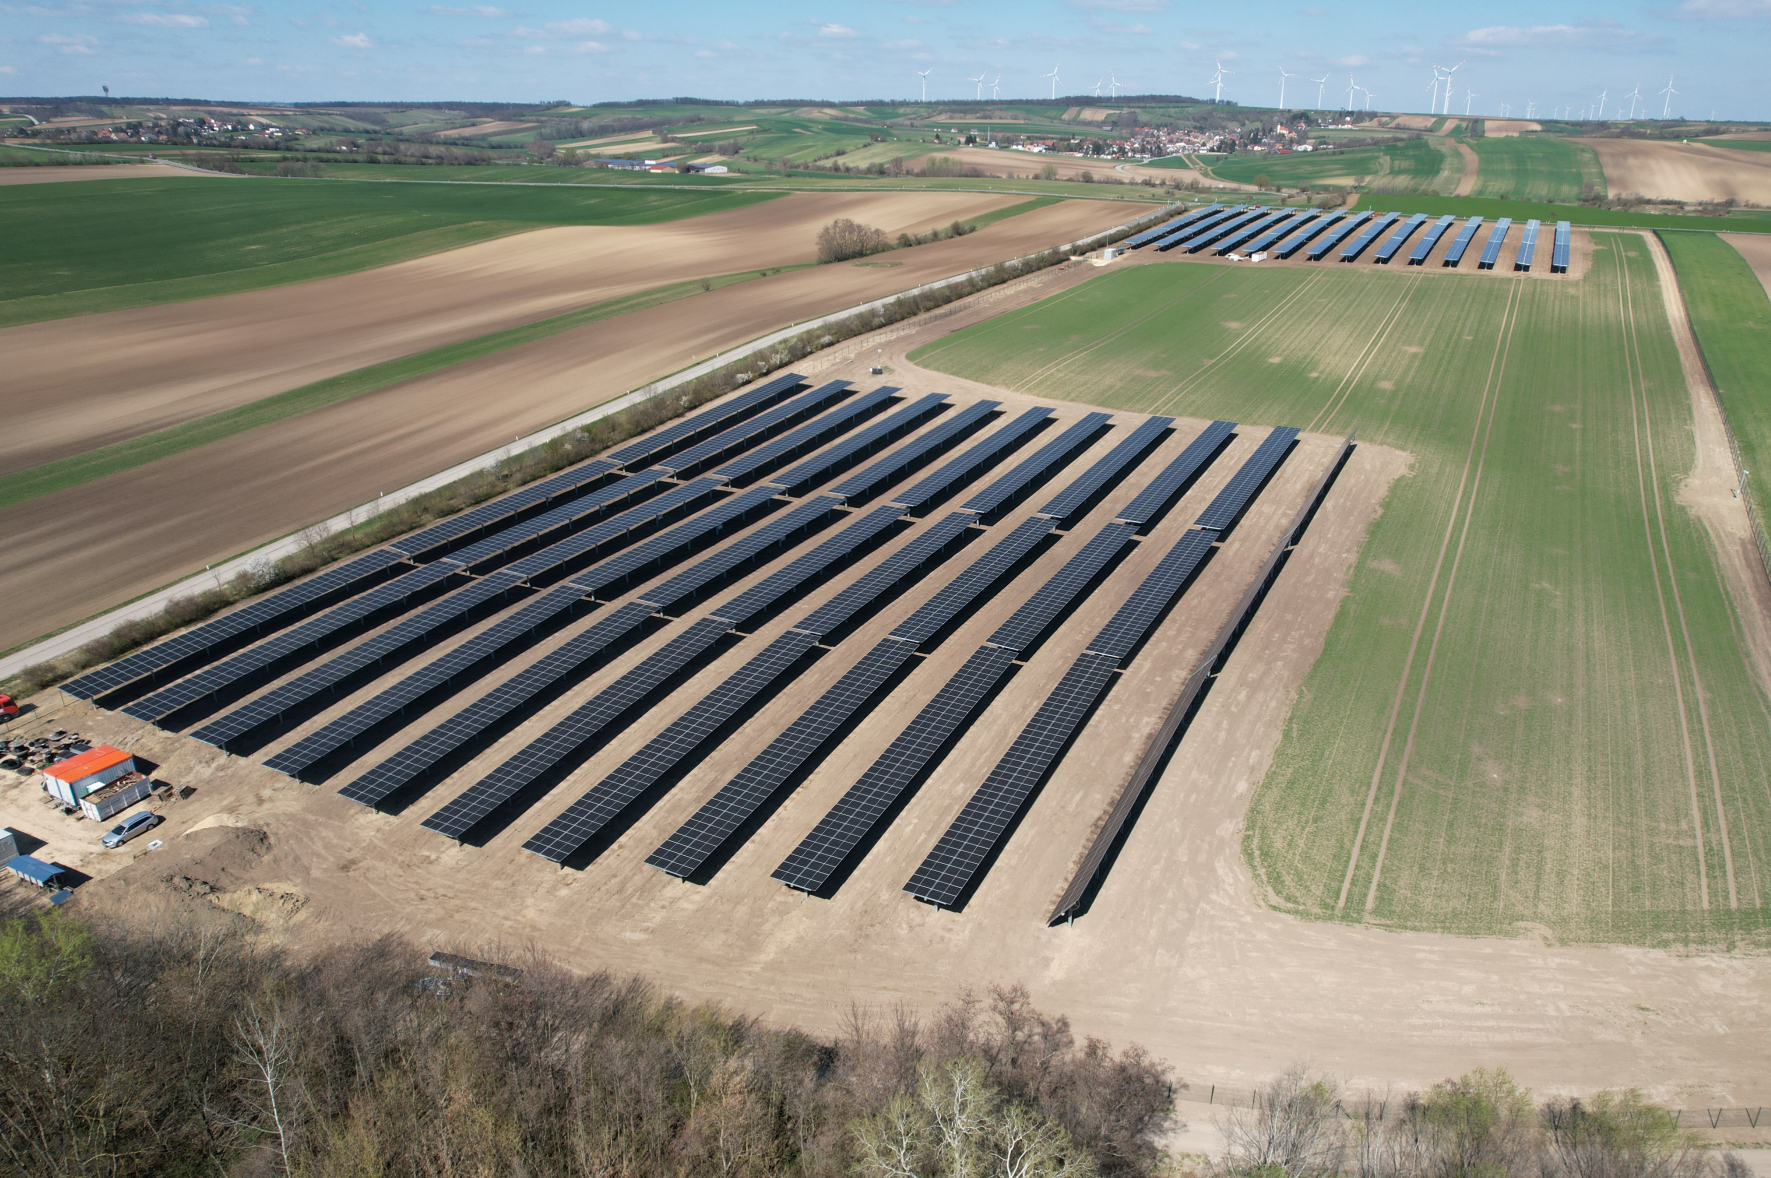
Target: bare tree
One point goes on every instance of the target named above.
(1293, 1126)
(265, 1047)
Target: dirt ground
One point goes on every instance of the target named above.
(1508, 128)
(1026, 164)
(1466, 183)
(1414, 122)
(1756, 249)
(1683, 171)
(55, 173)
(78, 383)
(79, 551)
(496, 128)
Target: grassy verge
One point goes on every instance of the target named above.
(1519, 210)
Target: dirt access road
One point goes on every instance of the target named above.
(79, 551)
(1683, 171)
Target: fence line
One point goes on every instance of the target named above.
(1395, 1108)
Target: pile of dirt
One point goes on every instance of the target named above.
(202, 867)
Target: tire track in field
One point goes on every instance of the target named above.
(1026, 383)
(1345, 389)
(1484, 409)
(1234, 349)
(1644, 435)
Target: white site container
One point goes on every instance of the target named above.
(100, 804)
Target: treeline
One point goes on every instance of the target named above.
(188, 1047)
(843, 239)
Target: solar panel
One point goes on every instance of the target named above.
(812, 434)
(1333, 237)
(1120, 636)
(1121, 457)
(1246, 483)
(749, 433)
(1364, 239)
(966, 467)
(1455, 254)
(720, 817)
(781, 530)
(1037, 613)
(956, 859)
(563, 741)
(822, 852)
(1309, 233)
(1282, 230)
(1527, 245)
(201, 644)
(1202, 231)
(374, 655)
(959, 594)
(1246, 232)
(903, 460)
(777, 586)
(1398, 239)
(1055, 454)
(1559, 253)
(566, 835)
(1491, 251)
(1151, 501)
(1216, 232)
(511, 697)
(593, 539)
(442, 536)
(883, 577)
(1167, 227)
(851, 450)
(493, 643)
(613, 577)
(1175, 237)
(658, 443)
(293, 644)
(1420, 252)
(494, 549)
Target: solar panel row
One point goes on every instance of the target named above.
(1282, 230)
(562, 554)
(1133, 620)
(211, 640)
(1036, 614)
(1150, 502)
(657, 444)
(1461, 243)
(1054, 455)
(1207, 235)
(1167, 227)
(953, 864)
(765, 541)
(1365, 238)
(966, 467)
(1420, 252)
(1527, 245)
(1310, 232)
(959, 594)
(812, 434)
(900, 462)
(585, 818)
(1388, 249)
(497, 548)
(1250, 231)
(822, 852)
(748, 433)
(779, 585)
(1560, 251)
(885, 576)
(614, 576)
(1333, 237)
(1188, 232)
(819, 467)
(442, 536)
(1108, 467)
(1491, 251)
(1221, 514)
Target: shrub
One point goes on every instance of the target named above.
(843, 239)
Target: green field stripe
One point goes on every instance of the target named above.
(1026, 206)
(1579, 215)
(75, 469)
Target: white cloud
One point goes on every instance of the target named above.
(6, 69)
(476, 10)
(832, 29)
(534, 50)
(1723, 10)
(1314, 11)
(1125, 5)
(354, 41)
(1353, 62)
(1588, 34)
(1190, 47)
(166, 20)
(583, 26)
(78, 43)
(902, 46)
(704, 53)
(255, 61)
(236, 13)
(591, 47)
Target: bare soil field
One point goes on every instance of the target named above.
(1466, 183)
(1683, 171)
(1508, 128)
(74, 384)
(495, 128)
(1026, 164)
(79, 551)
(1756, 249)
(56, 173)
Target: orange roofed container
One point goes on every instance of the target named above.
(74, 778)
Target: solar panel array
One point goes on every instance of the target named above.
(614, 576)
(1388, 249)
(390, 646)
(1248, 232)
(1310, 232)
(964, 468)
(822, 852)
(1155, 496)
(1282, 230)
(812, 434)
(880, 433)
(1559, 254)
(497, 547)
(1365, 238)
(209, 641)
(1167, 227)
(1054, 454)
(1420, 252)
(772, 535)
(779, 585)
(1333, 237)
(1121, 635)
(900, 462)
(748, 433)
(658, 443)
(1037, 613)
(959, 594)
(1187, 234)
(1455, 254)
(1223, 511)
(1527, 245)
(585, 818)
(1491, 251)
(954, 862)
(1117, 460)
(1215, 233)
(842, 608)
(592, 540)
(440, 537)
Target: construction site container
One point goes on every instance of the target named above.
(107, 800)
(71, 780)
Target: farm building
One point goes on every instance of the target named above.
(71, 780)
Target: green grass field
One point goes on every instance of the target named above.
(1536, 169)
(103, 245)
(1740, 144)
(1531, 707)
(1520, 210)
(1406, 166)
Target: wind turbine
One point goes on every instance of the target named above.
(1099, 82)
(1368, 97)
(1351, 86)
(1447, 81)
(1531, 108)
(924, 75)
(1113, 85)
(996, 88)
(1469, 97)
(1054, 77)
(1217, 80)
(1433, 105)
(1320, 83)
(1602, 96)
(980, 81)
(1632, 96)
(1282, 76)
(1669, 92)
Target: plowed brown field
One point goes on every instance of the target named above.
(54, 173)
(1756, 249)
(1683, 171)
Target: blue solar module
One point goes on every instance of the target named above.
(1559, 253)
(660, 442)
(772, 537)
(1491, 251)
(1248, 232)
(491, 644)
(202, 644)
(1188, 232)
(585, 818)
(1218, 232)
(822, 852)
(1053, 455)
(957, 857)
(1388, 249)
(812, 434)
(778, 586)
(442, 537)
(754, 430)
(959, 594)
(567, 517)
(1037, 613)
(1285, 228)
(1123, 456)
(1167, 227)
(391, 646)
(1455, 254)
(612, 577)
(1158, 491)
(592, 540)
(1333, 237)
(722, 815)
(1311, 231)
(1246, 483)
(1120, 636)
(1527, 245)
(561, 743)
(1419, 254)
(513, 697)
(906, 458)
(966, 467)
(883, 577)
(293, 645)
(1358, 244)
(851, 450)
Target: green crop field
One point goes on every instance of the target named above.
(1519, 210)
(1406, 166)
(1740, 144)
(1536, 169)
(1531, 707)
(103, 245)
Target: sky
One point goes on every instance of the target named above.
(1559, 54)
